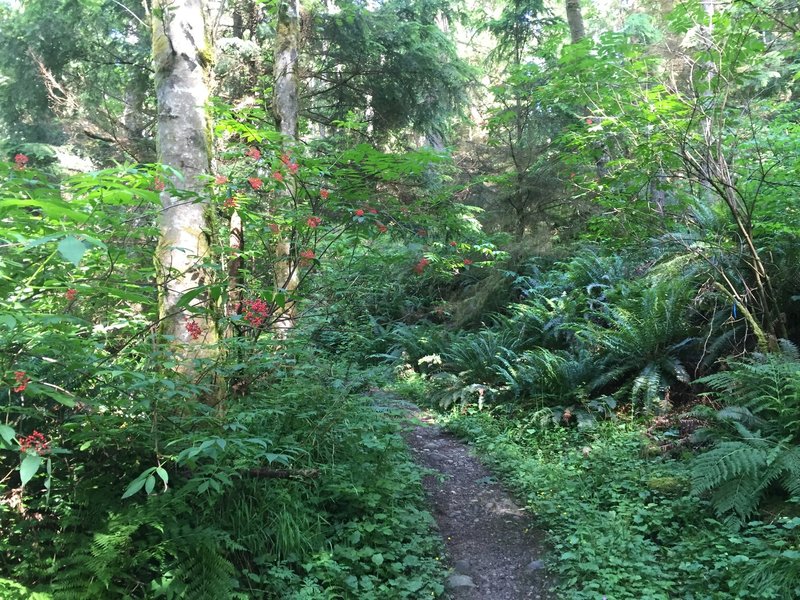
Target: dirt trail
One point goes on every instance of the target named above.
(493, 548)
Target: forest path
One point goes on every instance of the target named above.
(493, 548)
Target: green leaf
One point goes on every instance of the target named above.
(162, 473)
(280, 458)
(50, 208)
(377, 559)
(125, 294)
(8, 321)
(72, 249)
(134, 487)
(139, 482)
(29, 466)
(7, 433)
(190, 295)
(149, 484)
(46, 390)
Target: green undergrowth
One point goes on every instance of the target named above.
(301, 491)
(623, 524)
(375, 537)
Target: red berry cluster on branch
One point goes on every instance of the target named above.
(306, 256)
(420, 266)
(35, 442)
(194, 329)
(256, 312)
(22, 380)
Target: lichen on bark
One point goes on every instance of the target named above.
(181, 59)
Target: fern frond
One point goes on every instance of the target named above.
(740, 414)
(727, 461)
(739, 495)
(206, 573)
(790, 350)
(647, 386)
(788, 463)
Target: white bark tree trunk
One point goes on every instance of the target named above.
(182, 60)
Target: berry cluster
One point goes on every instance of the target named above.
(35, 442)
(306, 256)
(22, 380)
(256, 312)
(194, 329)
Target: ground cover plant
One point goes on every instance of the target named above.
(624, 524)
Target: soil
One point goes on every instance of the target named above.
(493, 548)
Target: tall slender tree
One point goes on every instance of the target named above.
(182, 59)
(286, 110)
(575, 21)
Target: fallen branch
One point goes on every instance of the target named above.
(284, 473)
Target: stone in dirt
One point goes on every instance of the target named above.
(456, 581)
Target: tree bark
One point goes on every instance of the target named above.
(286, 109)
(575, 21)
(236, 246)
(182, 60)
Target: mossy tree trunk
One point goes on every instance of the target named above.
(181, 58)
(575, 21)
(286, 109)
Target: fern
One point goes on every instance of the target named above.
(756, 446)
(767, 385)
(205, 572)
(643, 343)
(738, 473)
(413, 343)
(476, 356)
(108, 565)
(551, 377)
(590, 267)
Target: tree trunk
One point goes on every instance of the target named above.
(286, 109)
(182, 60)
(575, 21)
(135, 120)
(236, 246)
